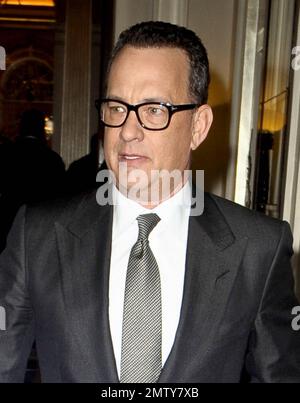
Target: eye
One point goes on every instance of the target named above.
(155, 110)
(117, 109)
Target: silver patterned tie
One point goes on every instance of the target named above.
(142, 327)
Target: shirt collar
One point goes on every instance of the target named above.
(126, 210)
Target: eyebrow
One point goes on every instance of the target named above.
(114, 97)
(156, 99)
(153, 99)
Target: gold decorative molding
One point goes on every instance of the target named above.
(35, 3)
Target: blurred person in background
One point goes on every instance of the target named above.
(31, 171)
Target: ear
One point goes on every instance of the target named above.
(202, 121)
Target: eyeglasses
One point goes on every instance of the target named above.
(151, 115)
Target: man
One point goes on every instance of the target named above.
(144, 291)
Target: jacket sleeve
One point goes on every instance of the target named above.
(17, 333)
(274, 346)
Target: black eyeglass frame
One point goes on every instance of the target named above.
(171, 108)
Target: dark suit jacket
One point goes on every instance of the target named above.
(235, 322)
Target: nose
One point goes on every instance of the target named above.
(131, 129)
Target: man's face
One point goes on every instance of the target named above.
(150, 74)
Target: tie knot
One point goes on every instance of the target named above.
(146, 224)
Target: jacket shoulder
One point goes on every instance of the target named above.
(63, 210)
(246, 222)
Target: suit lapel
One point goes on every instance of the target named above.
(84, 249)
(212, 260)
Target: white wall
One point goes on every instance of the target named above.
(214, 22)
(129, 12)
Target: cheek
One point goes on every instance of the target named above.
(110, 140)
(180, 146)
(182, 133)
(173, 153)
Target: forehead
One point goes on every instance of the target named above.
(160, 57)
(137, 67)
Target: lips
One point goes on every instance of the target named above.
(131, 157)
(133, 161)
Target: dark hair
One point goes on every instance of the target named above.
(151, 34)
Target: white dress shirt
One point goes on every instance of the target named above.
(168, 241)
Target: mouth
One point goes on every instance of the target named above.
(124, 157)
